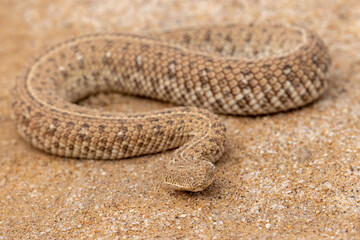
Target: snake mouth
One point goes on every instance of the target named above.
(186, 187)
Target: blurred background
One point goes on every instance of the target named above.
(288, 175)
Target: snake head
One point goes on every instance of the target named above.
(194, 175)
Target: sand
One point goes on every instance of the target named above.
(293, 175)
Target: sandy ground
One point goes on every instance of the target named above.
(288, 175)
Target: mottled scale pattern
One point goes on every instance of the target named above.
(231, 69)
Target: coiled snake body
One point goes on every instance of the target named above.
(232, 69)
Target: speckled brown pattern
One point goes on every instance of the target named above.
(234, 69)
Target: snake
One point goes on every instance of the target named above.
(233, 69)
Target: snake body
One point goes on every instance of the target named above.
(231, 69)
